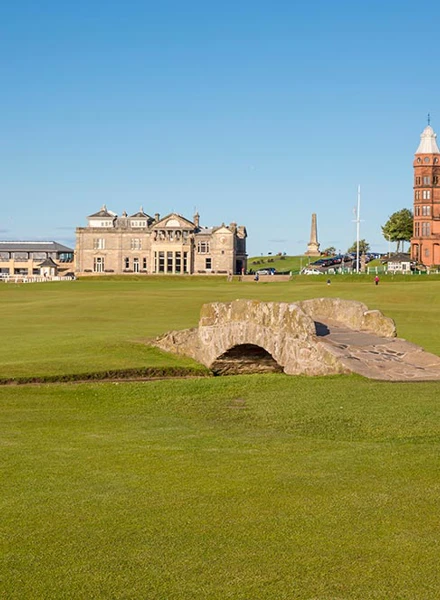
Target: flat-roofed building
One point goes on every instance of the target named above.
(33, 258)
(144, 244)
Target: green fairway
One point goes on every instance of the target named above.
(268, 487)
(92, 325)
(242, 488)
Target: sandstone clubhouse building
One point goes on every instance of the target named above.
(112, 244)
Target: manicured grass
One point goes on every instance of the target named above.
(252, 487)
(91, 325)
(268, 487)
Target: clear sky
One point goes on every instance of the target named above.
(250, 111)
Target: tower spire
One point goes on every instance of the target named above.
(429, 119)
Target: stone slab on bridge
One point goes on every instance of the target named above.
(322, 336)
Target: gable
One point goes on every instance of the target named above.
(223, 230)
(174, 221)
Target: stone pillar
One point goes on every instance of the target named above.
(313, 245)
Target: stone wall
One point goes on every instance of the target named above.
(351, 313)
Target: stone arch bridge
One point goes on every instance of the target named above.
(321, 336)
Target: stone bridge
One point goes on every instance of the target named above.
(321, 336)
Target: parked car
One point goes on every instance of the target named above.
(268, 271)
(309, 271)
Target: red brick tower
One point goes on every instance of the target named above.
(425, 243)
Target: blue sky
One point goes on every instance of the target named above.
(254, 112)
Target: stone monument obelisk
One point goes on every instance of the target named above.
(313, 246)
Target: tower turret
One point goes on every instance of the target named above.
(425, 243)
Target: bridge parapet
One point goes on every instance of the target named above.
(283, 330)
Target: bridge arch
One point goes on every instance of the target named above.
(245, 358)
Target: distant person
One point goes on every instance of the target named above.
(328, 282)
(257, 277)
(376, 280)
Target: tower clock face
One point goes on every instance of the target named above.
(426, 159)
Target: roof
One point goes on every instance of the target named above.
(141, 215)
(33, 247)
(400, 257)
(428, 142)
(48, 262)
(103, 213)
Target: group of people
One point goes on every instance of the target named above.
(376, 280)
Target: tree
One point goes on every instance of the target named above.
(399, 227)
(329, 251)
(364, 247)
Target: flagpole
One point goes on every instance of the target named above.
(358, 221)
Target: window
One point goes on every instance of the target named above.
(426, 251)
(208, 263)
(136, 265)
(100, 223)
(138, 223)
(178, 262)
(426, 211)
(417, 229)
(98, 243)
(169, 262)
(418, 180)
(427, 181)
(4, 256)
(161, 262)
(417, 195)
(20, 256)
(426, 194)
(203, 247)
(126, 263)
(435, 180)
(144, 264)
(98, 264)
(426, 229)
(136, 244)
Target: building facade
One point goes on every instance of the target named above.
(29, 259)
(425, 243)
(112, 244)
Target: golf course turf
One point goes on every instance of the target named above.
(251, 487)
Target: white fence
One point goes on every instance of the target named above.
(33, 278)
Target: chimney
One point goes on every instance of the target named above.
(197, 220)
(157, 217)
